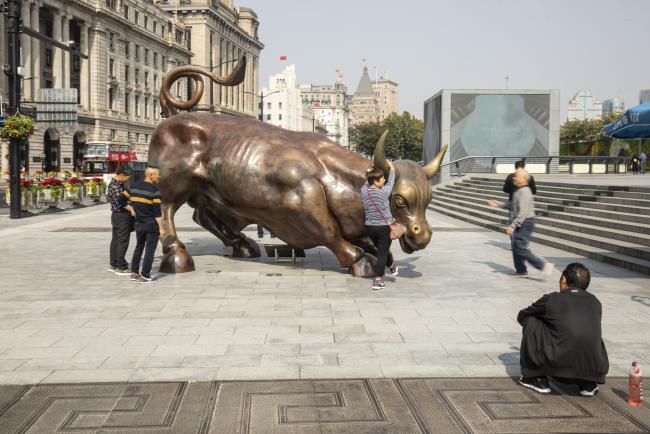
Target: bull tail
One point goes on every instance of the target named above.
(170, 105)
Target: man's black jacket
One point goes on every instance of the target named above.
(510, 187)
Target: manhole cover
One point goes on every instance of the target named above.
(213, 271)
(274, 274)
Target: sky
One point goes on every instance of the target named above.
(428, 45)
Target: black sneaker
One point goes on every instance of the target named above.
(143, 279)
(589, 390)
(111, 269)
(538, 384)
(134, 276)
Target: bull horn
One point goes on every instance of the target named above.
(380, 154)
(434, 165)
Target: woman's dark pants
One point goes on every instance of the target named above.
(380, 236)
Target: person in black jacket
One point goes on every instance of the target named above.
(562, 336)
(510, 188)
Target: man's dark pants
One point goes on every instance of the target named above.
(520, 249)
(122, 223)
(147, 235)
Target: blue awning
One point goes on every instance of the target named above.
(634, 124)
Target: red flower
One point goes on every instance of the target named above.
(51, 182)
(26, 183)
(74, 181)
(97, 180)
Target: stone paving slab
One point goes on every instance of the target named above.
(407, 405)
(451, 311)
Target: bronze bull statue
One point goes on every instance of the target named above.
(302, 187)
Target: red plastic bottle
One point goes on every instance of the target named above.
(635, 386)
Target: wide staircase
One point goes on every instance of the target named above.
(606, 223)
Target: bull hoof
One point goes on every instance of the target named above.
(176, 260)
(364, 267)
(246, 248)
(169, 243)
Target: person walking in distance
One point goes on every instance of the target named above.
(375, 194)
(509, 187)
(121, 221)
(522, 227)
(145, 198)
(642, 162)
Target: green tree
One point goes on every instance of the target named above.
(404, 141)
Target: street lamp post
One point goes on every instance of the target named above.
(15, 29)
(261, 96)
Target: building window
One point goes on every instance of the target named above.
(280, 105)
(111, 41)
(126, 12)
(112, 134)
(48, 57)
(280, 117)
(137, 105)
(127, 49)
(137, 53)
(155, 26)
(137, 17)
(110, 98)
(146, 22)
(155, 60)
(146, 108)
(163, 64)
(126, 73)
(179, 36)
(48, 84)
(137, 76)
(111, 3)
(146, 138)
(268, 117)
(111, 67)
(268, 105)
(146, 79)
(155, 81)
(127, 99)
(146, 56)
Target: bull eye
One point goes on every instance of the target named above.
(399, 201)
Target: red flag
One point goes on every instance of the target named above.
(283, 57)
(317, 104)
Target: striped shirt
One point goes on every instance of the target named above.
(145, 200)
(376, 202)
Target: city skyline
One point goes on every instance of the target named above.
(497, 40)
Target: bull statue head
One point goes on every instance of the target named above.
(411, 195)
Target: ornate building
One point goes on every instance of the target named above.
(130, 44)
(219, 35)
(386, 93)
(329, 104)
(363, 106)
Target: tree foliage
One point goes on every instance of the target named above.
(587, 130)
(404, 141)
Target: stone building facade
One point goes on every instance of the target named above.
(386, 94)
(329, 104)
(219, 35)
(363, 105)
(130, 44)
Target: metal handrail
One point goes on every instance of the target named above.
(488, 163)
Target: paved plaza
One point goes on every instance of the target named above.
(450, 313)
(434, 352)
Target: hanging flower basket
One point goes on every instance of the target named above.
(17, 127)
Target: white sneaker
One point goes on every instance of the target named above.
(547, 270)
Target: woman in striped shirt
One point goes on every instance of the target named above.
(375, 194)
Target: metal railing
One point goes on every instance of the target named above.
(490, 164)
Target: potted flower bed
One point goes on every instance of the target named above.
(50, 191)
(27, 189)
(74, 191)
(95, 188)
